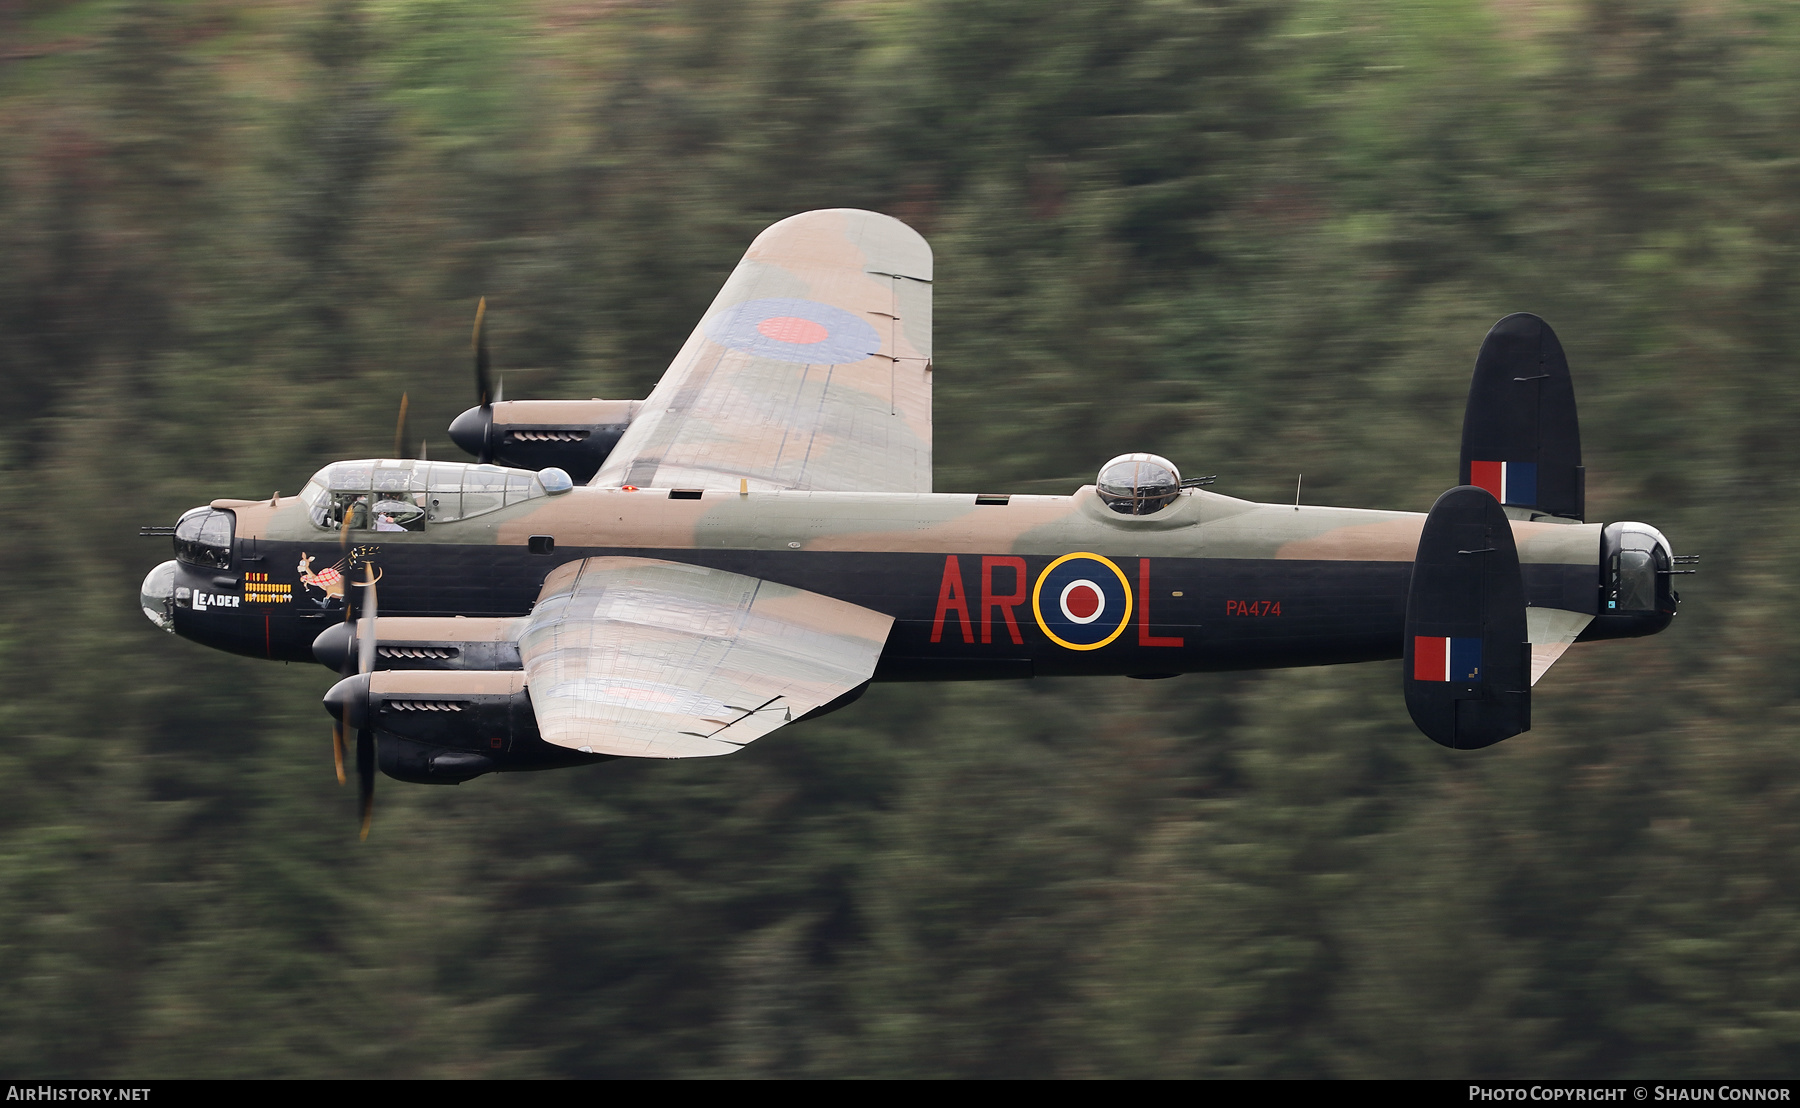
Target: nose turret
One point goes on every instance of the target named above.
(202, 596)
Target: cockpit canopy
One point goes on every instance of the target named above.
(404, 495)
(1139, 484)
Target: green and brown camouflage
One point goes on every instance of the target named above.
(1200, 524)
(760, 540)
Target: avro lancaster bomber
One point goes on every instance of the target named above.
(756, 541)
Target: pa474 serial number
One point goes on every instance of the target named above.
(1253, 607)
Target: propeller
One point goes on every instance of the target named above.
(474, 429)
(400, 429)
(344, 548)
(484, 391)
(337, 728)
(365, 628)
(348, 699)
(365, 737)
(484, 385)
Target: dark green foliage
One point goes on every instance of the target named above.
(1264, 238)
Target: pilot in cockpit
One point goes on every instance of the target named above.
(395, 512)
(353, 512)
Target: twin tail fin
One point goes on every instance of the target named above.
(1521, 439)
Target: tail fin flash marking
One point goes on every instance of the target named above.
(1508, 482)
(1446, 659)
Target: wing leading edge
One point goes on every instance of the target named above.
(811, 370)
(652, 659)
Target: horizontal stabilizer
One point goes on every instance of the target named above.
(1468, 658)
(1552, 630)
(1521, 439)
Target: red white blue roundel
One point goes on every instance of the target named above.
(1082, 601)
(793, 330)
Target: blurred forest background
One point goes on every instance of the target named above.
(1261, 237)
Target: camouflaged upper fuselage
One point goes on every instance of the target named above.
(1200, 524)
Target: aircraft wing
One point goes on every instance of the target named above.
(653, 659)
(811, 370)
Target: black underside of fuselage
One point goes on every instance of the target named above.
(1204, 614)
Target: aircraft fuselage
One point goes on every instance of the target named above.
(979, 587)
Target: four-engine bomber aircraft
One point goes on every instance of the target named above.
(757, 540)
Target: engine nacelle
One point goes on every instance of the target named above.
(572, 435)
(424, 642)
(442, 728)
